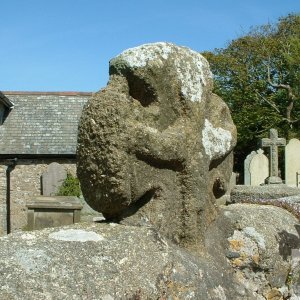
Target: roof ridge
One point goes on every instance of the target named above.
(67, 93)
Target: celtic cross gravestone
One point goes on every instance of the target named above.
(273, 143)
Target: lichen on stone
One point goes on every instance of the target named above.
(191, 67)
(191, 76)
(28, 236)
(216, 141)
(32, 260)
(141, 55)
(76, 235)
(219, 293)
(256, 236)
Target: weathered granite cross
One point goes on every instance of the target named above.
(273, 142)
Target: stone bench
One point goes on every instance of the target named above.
(44, 211)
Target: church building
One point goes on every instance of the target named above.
(36, 129)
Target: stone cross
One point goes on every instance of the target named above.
(273, 142)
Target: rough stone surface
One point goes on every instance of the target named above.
(294, 279)
(226, 197)
(257, 241)
(152, 147)
(88, 214)
(108, 261)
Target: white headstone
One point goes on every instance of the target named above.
(259, 168)
(292, 162)
(53, 178)
(257, 165)
(247, 177)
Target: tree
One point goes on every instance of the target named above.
(258, 76)
(70, 187)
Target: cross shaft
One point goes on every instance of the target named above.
(273, 142)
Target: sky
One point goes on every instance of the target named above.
(66, 45)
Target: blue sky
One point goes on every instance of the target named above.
(65, 45)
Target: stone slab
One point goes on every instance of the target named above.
(53, 178)
(256, 168)
(244, 193)
(259, 168)
(46, 212)
(247, 174)
(59, 202)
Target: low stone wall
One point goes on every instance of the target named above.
(279, 195)
(25, 184)
(248, 193)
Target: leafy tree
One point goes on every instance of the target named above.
(258, 76)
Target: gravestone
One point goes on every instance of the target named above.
(292, 162)
(152, 149)
(56, 211)
(273, 143)
(52, 179)
(256, 168)
(247, 174)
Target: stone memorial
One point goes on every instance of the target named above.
(44, 212)
(273, 143)
(152, 148)
(247, 174)
(256, 168)
(52, 179)
(292, 162)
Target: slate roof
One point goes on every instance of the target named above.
(7, 103)
(41, 123)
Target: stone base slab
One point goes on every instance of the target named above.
(46, 212)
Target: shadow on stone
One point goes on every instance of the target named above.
(287, 242)
(135, 206)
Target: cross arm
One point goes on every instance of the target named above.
(281, 142)
(266, 142)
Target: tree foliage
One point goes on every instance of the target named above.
(258, 76)
(70, 187)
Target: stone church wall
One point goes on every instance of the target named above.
(2, 199)
(25, 180)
